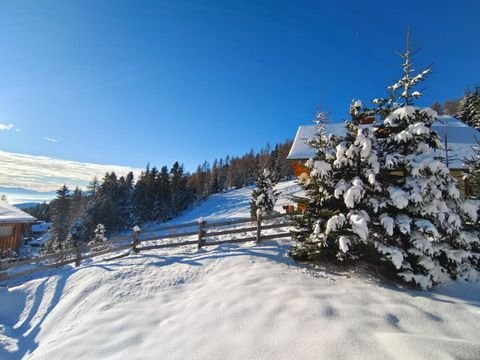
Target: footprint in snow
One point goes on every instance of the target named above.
(329, 312)
(393, 320)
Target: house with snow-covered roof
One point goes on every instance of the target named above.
(457, 139)
(13, 222)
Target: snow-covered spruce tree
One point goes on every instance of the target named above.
(317, 205)
(471, 206)
(383, 197)
(473, 175)
(263, 196)
(469, 108)
(341, 194)
(99, 235)
(422, 213)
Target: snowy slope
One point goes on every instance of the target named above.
(232, 204)
(231, 302)
(235, 203)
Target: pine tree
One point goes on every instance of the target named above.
(141, 197)
(124, 195)
(77, 205)
(341, 192)
(60, 221)
(40, 211)
(421, 211)
(284, 168)
(380, 195)
(473, 175)
(165, 195)
(436, 106)
(317, 203)
(110, 205)
(263, 196)
(214, 178)
(93, 186)
(180, 194)
(469, 108)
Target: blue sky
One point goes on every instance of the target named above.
(131, 82)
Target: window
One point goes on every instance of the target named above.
(6, 230)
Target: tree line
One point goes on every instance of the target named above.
(119, 203)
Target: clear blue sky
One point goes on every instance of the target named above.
(158, 81)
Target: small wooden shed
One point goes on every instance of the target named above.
(12, 223)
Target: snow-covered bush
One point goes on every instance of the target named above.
(263, 196)
(8, 254)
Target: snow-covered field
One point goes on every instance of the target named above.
(232, 302)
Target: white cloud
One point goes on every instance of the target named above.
(51, 140)
(43, 173)
(6, 126)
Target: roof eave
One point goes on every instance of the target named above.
(18, 221)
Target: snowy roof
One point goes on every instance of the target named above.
(457, 131)
(41, 227)
(300, 150)
(461, 138)
(11, 214)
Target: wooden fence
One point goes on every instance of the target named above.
(204, 234)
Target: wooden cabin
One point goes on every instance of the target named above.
(456, 136)
(300, 151)
(13, 223)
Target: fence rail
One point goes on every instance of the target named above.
(205, 233)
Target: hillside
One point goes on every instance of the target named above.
(235, 302)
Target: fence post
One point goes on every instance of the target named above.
(3, 274)
(78, 259)
(136, 239)
(201, 232)
(259, 225)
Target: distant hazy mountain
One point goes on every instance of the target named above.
(27, 205)
(44, 173)
(21, 196)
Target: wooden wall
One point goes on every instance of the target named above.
(299, 168)
(11, 242)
